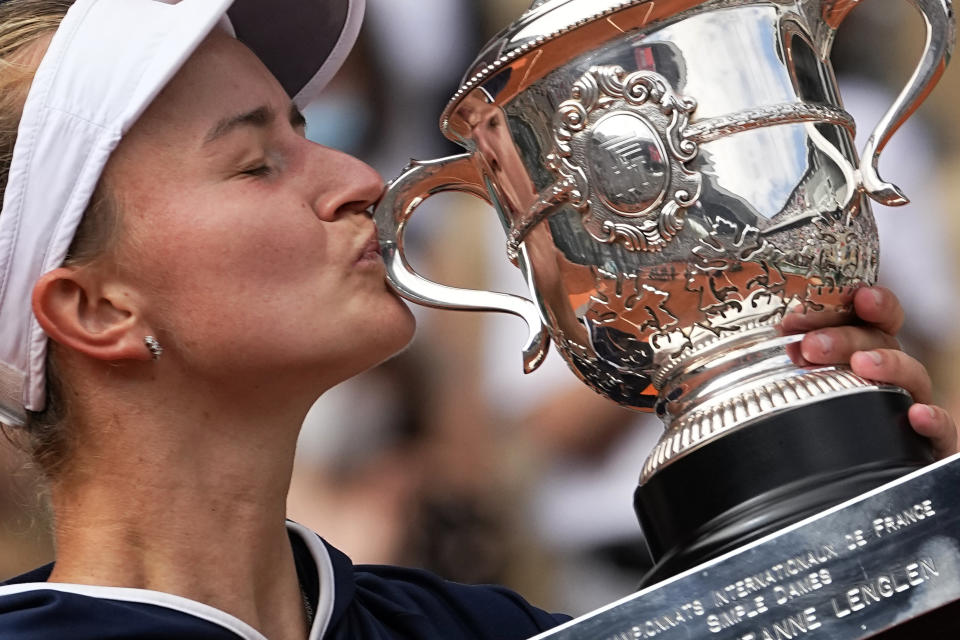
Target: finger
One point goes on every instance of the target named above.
(879, 307)
(896, 368)
(835, 345)
(800, 320)
(796, 355)
(937, 425)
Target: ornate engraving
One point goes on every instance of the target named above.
(841, 253)
(630, 303)
(617, 374)
(620, 143)
(589, 365)
(744, 283)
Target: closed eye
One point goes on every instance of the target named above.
(259, 171)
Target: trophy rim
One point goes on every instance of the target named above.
(529, 33)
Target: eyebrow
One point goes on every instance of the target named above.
(258, 118)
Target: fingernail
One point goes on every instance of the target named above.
(875, 356)
(825, 342)
(877, 297)
(931, 411)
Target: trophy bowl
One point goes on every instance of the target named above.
(672, 178)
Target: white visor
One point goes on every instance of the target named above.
(106, 63)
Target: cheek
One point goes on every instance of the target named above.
(236, 230)
(264, 274)
(225, 259)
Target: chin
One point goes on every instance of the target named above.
(374, 339)
(405, 323)
(395, 336)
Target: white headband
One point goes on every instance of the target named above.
(106, 63)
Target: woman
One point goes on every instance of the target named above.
(224, 274)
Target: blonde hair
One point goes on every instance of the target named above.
(23, 24)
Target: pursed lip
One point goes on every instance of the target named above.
(370, 249)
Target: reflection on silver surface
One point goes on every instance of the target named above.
(673, 177)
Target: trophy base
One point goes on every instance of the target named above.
(772, 473)
(885, 564)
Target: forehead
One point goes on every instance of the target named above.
(221, 77)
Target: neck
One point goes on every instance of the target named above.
(186, 505)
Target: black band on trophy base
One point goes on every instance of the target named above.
(885, 564)
(772, 473)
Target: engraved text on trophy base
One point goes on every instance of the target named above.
(812, 588)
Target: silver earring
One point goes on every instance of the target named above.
(154, 346)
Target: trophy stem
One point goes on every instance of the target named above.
(773, 472)
(733, 382)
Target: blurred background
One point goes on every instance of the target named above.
(448, 457)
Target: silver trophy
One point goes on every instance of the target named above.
(673, 177)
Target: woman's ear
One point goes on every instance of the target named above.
(77, 308)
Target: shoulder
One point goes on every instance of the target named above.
(392, 602)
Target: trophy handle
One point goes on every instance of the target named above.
(941, 36)
(419, 181)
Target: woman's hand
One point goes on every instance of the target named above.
(875, 354)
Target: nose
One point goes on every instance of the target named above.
(344, 184)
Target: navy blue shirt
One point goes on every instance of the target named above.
(351, 602)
